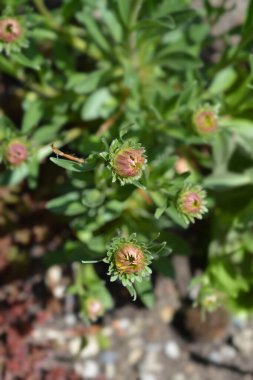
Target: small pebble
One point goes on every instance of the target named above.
(151, 363)
(215, 357)
(53, 276)
(167, 313)
(147, 376)
(108, 357)
(172, 350)
(153, 347)
(74, 346)
(91, 348)
(228, 352)
(178, 376)
(243, 340)
(110, 371)
(135, 356)
(70, 319)
(88, 369)
(59, 291)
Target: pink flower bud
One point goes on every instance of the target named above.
(129, 259)
(129, 162)
(10, 30)
(191, 202)
(205, 120)
(16, 153)
(94, 308)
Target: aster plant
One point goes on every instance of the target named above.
(145, 119)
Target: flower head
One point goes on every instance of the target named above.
(127, 161)
(93, 308)
(205, 119)
(191, 203)
(16, 153)
(128, 260)
(12, 34)
(10, 29)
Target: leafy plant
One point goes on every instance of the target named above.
(162, 130)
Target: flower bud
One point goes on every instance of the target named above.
(16, 153)
(10, 30)
(129, 162)
(129, 259)
(205, 120)
(93, 308)
(191, 203)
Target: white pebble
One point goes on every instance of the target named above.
(147, 376)
(88, 370)
(228, 352)
(53, 276)
(215, 357)
(172, 350)
(59, 291)
(91, 348)
(70, 319)
(75, 345)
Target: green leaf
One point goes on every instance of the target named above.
(159, 211)
(66, 164)
(85, 83)
(68, 204)
(144, 290)
(92, 198)
(93, 30)
(156, 24)
(228, 180)
(223, 81)
(25, 61)
(33, 114)
(181, 61)
(92, 107)
(163, 265)
(248, 23)
(113, 25)
(124, 10)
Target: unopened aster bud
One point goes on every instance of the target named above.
(93, 308)
(205, 119)
(128, 260)
(16, 153)
(10, 30)
(13, 34)
(191, 203)
(127, 161)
